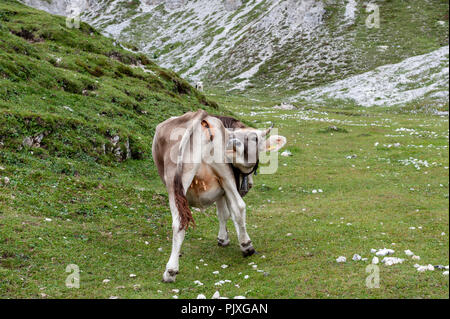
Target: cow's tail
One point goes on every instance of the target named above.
(179, 191)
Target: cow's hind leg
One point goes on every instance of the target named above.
(172, 267)
(237, 208)
(223, 214)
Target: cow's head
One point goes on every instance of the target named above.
(245, 145)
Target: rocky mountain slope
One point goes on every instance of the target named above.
(276, 44)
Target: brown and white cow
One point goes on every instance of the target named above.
(197, 158)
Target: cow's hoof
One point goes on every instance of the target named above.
(170, 275)
(247, 249)
(248, 252)
(223, 242)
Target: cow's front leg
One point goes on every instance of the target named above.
(223, 215)
(237, 207)
(172, 267)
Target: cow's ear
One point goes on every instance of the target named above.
(273, 143)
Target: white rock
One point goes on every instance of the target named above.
(385, 252)
(224, 266)
(48, 219)
(286, 154)
(416, 257)
(216, 295)
(132, 275)
(215, 272)
(409, 253)
(246, 276)
(198, 282)
(389, 261)
(373, 251)
(175, 297)
(445, 273)
(105, 281)
(430, 267)
(160, 249)
(201, 296)
(176, 290)
(356, 257)
(242, 297)
(341, 259)
(422, 268)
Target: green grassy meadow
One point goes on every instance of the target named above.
(345, 190)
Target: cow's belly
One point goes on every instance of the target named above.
(205, 189)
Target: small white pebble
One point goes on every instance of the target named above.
(160, 249)
(409, 253)
(201, 296)
(375, 260)
(215, 272)
(216, 295)
(48, 219)
(445, 273)
(242, 297)
(224, 266)
(416, 257)
(175, 297)
(356, 257)
(105, 281)
(246, 276)
(341, 259)
(132, 275)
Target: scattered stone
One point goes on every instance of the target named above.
(242, 297)
(224, 266)
(216, 272)
(132, 275)
(416, 257)
(375, 260)
(216, 295)
(341, 259)
(201, 296)
(286, 154)
(409, 253)
(385, 252)
(356, 257)
(389, 261)
(105, 281)
(285, 106)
